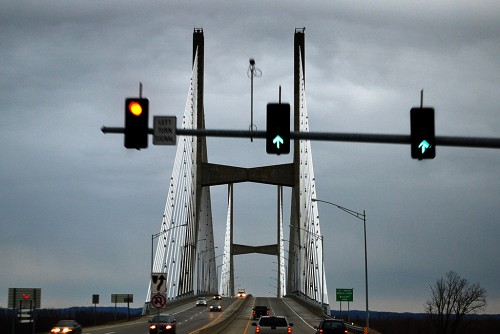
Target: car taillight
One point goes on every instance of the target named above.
(267, 312)
(289, 330)
(320, 331)
(254, 312)
(168, 327)
(257, 329)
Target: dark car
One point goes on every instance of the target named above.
(216, 308)
(67, 326)
(331, 326)
(259, 311)
(163, 323)
(217, 297)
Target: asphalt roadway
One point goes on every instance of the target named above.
(193, 319)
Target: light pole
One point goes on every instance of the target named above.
(360, 216)
(156, 235)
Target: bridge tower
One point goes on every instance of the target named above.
(186, 249)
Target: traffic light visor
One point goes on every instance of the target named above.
(135, 108)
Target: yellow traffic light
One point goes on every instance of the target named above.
(135, 108)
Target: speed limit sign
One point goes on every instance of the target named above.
(158, 300)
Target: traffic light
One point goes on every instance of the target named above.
(278, 128)
(136, 123)
(423, 143)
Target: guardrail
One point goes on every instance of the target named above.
(355, 329)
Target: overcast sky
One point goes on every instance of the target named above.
(78, 210)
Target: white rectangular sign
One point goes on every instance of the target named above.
(164, 130)
(158, 282)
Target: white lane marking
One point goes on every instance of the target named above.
(297, 314)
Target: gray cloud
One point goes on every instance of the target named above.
(77, 209)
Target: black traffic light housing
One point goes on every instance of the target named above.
(278, 128)
(423, 141)
(136, 123)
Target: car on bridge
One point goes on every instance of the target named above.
(215, 308)
(67, 326)
(273, 325)
(331, 326)
(163, 323)
(241, 293)
(217, 297)
(259, 311)
(201, 301)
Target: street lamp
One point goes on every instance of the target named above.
(156, 235)
(360, 216)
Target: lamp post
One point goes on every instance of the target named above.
(156, 235)
(360, 216)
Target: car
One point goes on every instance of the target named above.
(201, 301)
(241, 293)
(331, 326)
(217, 297)
(273, 324)
(216, 308)
(67, 326)
(259, 311)
(163, 323)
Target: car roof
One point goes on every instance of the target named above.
(66, 322)
(163, 318)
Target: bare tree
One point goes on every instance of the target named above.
(452, 298)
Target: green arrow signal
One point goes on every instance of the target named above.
(424, 145)
(278, 141)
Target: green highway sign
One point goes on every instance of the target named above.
(344, 295)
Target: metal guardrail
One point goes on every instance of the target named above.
(355, 329)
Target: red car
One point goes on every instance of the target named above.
(163, 323)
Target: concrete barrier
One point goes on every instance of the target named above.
(228, 316)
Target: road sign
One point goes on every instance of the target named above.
(158, 300)
(344, 295)
(164, 130)
(122, 298)
(24, 296)
(25, 315)
(158, 282)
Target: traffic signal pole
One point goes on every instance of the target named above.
(477, 142)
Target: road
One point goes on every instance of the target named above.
(191, 319)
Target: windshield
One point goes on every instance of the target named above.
(273, 322)
(162, 318)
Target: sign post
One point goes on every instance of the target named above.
(344, 295)
(123, 298)
(25, 300)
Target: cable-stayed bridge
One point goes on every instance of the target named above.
(185, 251)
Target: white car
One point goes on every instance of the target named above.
(201, 301)
(273, 325)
